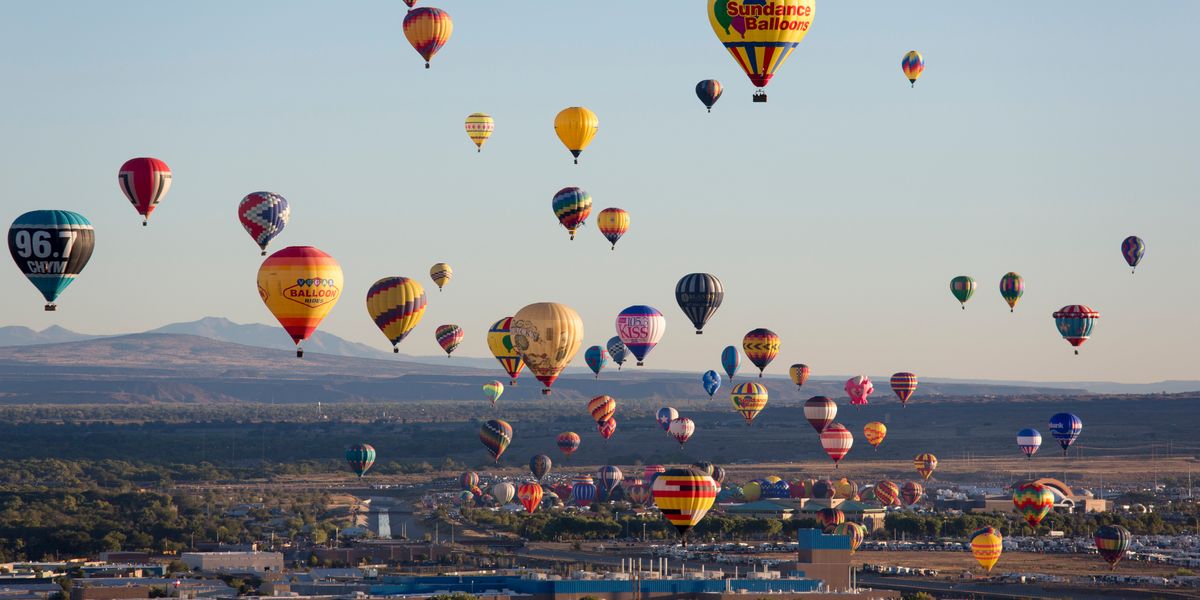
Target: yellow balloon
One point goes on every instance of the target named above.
(396, 304)
(986, 548)
(875, 432)
(547, 335)
(576, 126)
(480, 127)
(761, 36)
(300, 285)
(441, 274)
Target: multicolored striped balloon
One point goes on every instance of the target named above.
(911, 493)
(441, 273)
(709, 91)
(495, 436)
(854, 531)
(300, 285)
(1111, 542)
(684, 496)
(887, 493)
(1029, 440)
(638, 494)
(1033, 501)
(837, 441)
(479, 128)
(913, 65)
(761, 347)
(761, 45)
(396, 304)
(360, 458)
(609, 476)
(530, 494)
(749, 399)
(987, 547)
(493, 390)
(830, 517)
(263, 215)
(427, 30)
(613, 223)
(568, 442)
(1133, 249)
(607, 428)
(602, 408)
(963, 287)
(1075, 323)
(145, 182)
(640, 328)
(820, 412)
(925, 464)
(596, 359)
(468, 480)
(583, 491)
(499, 340)
(1012, 287)
(448, 337)
(572, 206)
(903, 385)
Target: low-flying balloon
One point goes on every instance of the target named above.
(684, 496)
(609, 476)
(748, 400)
(1012, 287)
(1111, 542)
(799, 374)
(1075, 323)
(547, 335)
(911, 493)
(1065, 428)
(396, 304)
(479, 128)
(571, 206)
(664, 417)
(468, 480)
(617, 351)
(709, 91)
(887, 493)
(1029, 440)
(761, 347)
(575, 127)
(300, 285)
(504, 492)
(830, 517)
(859, 388)
(730, 361)
(583, 491)
(1033, 501)
(820, 412)
(360, 457)
(568, 442)
(495, 436)
(602, 408)
(51, 248)
(711, 380)
(607, 428)
(449, 336)
(913, 65)
(640, 328)
(539, 466)
(1133, 249)
(875, 432)
(837, 441)
(263, 215)
(493, 390)
(145, 182)
(530, 495)
(681, 429)
(596, 359)
(987, 548)
(613, 223)
(963, 287)
(854, 531)
(427, 30)
(903, 385)
(699, 295)
(925, 464)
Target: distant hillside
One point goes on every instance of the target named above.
(17, 335)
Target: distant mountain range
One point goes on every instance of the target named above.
(209, 358)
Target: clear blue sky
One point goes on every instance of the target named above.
(1039, 137)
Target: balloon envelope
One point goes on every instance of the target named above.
(427, 30)
(617, 351)
(530, 495)
(837, 441)
(1012, 287)
(1075, 323)
(1033, 501)
(576, 127)
(547, 335)
(699, 295)
(568, 442)
(51, 248)
(499, 341)
(1111, 542)
(1065, 428)
(397, 305)
(875, 432)
(799, 374)
(145, 182)
(441, 273)
(1029, 440)
(730, 361)
(539, 466)
(479, 128)
(925, 464)
(684, 496)
(681, 429)
(571, 206)
(449, 337)
(711, 380)
(859, 388)
(1133, 249)
(987, 548)
(360, 457)
(613, 223)
(263, 215)
(748, 400)
(640, 328)
(963, 287)
(495, 436)
(761, 347)
(602, 408)
(820, 412)
(493, 390)
(664, 417)
(904, 384)
(913, 65)
(300, 285)
(760, 41)
(596, 359)
(709, 91)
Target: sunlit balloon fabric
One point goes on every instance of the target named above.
(576, 127)
(360, 457)
(837, 441)
(962, 287)
(568, 442)
(1012, 287)
(479, 128)
(396, 304)
(911, 493)
(759, 35)
(640, 328)
(987, 548)
(583, 491)
(613, 223)
(495, 436)
(1075, 323)
(854, 531)
(1133, 249)
(731, 360)
(699, 295)
(571, 206)
(875, 432)
(596, 359)
(820, 412)
(859, 388)
(709, 91)
(547, 335)
(263, 215)
(913, 65)
(887, 493)
(1065, 427)
(300, 285)
(427, 29)
(499, 341)
(711, 381)
(1111, 543)
(1029, 440)
(761, 347)
(904, 384)
(925, 464)
(493, 390)
(468, 480)
(449, 336)
(441, 274)
(607, 428)
(684, 496)
(830, 517)
(1033, 501)
(145, 182)
(51, 248)
(749, 399)
(504, 492)
(681, 429)
(664, 416)
(602, 408)
(799, 374)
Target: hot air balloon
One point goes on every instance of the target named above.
(547, 335)
(704, 467)
(911, 493)
(609, 476)
(640, 328)
(711, 380)
(962, 287)
(495, 435)
(448, 337)
(145, 182)
(859, 388)
(1075, 323)
(263, 215)
(596, 358)
(730, 361)
(617, 351)
(799, 374)
(699, 295)
(51, 248)
(983, 530)
(1029, 440)
(1012, 287)
(613, 223)
(844, 488)
(396, 304)
(410, 3)
(602, 408)
(568, 442)
(468, 480)
(479, 128)
(539, 466)
(681, 429)
(499, 341)
(530, 495)
(749, 399)
(761, 36)
(823, 489)
(986, 548)
(300, 285)
(427, 30)
(1111, 542)
(664, 417)
(875, 432)
(761, 347)
(638, 494)
(649, 472)
(441, 274)
(583, 491)
(1065, 428)
(360, 457)
(493, 390)
(504, 492)
(607, 428)
(820, 412)
(684, 496)
(466, 498)
(830, 517)
(903, 385)
(1133, 248)
(752, 491)
(925, 464)
(718, 474)
(913, 65)
(887, 493)
(1033, 501)
(854, 531)
(571, 206)
(709, 91)
(576, 126)
(836, 440)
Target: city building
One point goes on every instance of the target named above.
(233, 562)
